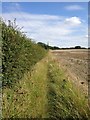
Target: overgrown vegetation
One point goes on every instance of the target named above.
(66, 101)
(28, 98)
(19, 53)
(45, 92)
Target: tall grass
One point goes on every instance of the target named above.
(45, 92)
(65, 100)
(28, 98)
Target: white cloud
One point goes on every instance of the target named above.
(57, 30)
(73, 21)
(74, 7)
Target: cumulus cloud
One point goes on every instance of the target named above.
(74, 7)
(73, 21)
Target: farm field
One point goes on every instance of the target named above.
(75, 63)
(44, 61)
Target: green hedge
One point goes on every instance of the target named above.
(19, 54)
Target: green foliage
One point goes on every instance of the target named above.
(65, 100)
(45, 92)
(27, 98)
(19, 54)
(47, 46)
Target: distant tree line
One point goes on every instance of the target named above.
(58, 48)
(47, 46)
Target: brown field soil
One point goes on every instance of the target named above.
(75, 64)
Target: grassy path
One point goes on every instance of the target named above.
(45, 92)
(28, 97)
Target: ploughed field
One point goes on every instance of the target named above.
(75, 64)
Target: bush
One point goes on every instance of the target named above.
(19, 54)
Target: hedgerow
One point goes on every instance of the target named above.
(19, 54)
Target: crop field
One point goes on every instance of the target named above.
(75, 63)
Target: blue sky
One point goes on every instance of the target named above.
(62, 24)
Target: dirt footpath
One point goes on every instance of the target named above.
(75, 64)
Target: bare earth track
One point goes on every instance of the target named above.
(75, 64)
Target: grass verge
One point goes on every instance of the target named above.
(28, 97)
(64, 98)
(45, 92)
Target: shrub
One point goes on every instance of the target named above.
(19, 54)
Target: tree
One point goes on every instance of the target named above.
(77, 47)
